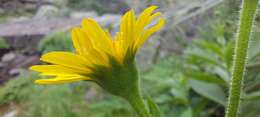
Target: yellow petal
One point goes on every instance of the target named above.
(61, 80)
(153, 16)
(97, 35)
(127, 27)
(136, 30)
(144, 19)
(67, 59)
(119, 48)
(57, 69)
(81, 41)
(147, 33)
(97, 57)
(85, 47)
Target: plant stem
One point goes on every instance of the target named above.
(138, 104)
(247, 15)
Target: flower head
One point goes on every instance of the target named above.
(106, 60)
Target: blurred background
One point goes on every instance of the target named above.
(186, 67)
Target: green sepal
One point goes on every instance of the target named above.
(121, 79)
(118, 79)
(153, 108)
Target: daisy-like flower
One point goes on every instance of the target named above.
(108, 61)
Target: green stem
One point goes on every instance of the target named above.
(247, 15)
(137, 102)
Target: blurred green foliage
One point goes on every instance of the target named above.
(58, 41)
(194, 84)
(14, 89)
(208, 66)
(41, 101)
(111, 107)
(3, 44)
(168, 87)
(174, 93)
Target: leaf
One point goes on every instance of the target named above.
(205, 52)
(200, 106)
(154, 109)
(206, 77)
(211, 46)
(254, 47)
(249, 108)
(211, 91)
(224, 74)
(228, 53)
(253, 96)
(187, 113)
(180, 89)
(206, 58)
(3, 44)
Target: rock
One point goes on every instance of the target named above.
(8, 57)
(2, 65)
(28, 61)
(109, 19)
(3, 51)
(47, 11)
(2, 11)
(81, 15)
(59, 3)
(91, 94)
(12, 113)
(14, 72)
(19, 19)
(24, 43)
(22, 61)
(12, 63)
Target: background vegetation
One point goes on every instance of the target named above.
(190, 82)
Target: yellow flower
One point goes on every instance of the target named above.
(106, 60)
(100, 57)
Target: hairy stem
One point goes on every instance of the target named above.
(247, 15)
(138, 104)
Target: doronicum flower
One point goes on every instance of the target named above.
(99, 57)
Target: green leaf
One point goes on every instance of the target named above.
(224, 74)
(211, 91)
(253, 96)
(180, 89)
(254, 47)
(228, 53)
(154, 109)
(3, 43)
(206, 77)
(211, 46)
(187, 113)
(205, 58)
(200, 106)
(57, 41)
